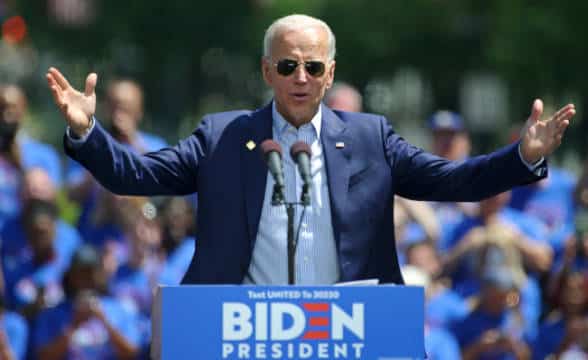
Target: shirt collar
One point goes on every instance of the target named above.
(280, 124)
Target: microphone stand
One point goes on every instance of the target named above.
(277, 200)
(291, 242)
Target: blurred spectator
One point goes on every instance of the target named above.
(89, 324)
(124, 112)
(566, 328)
(13, 334)
(450, 139)
(444, 306)
(492, 330)
(19, 152)
(531, 234)
(574, 260)
(133, 283)
(108, 223)
(36, 246)
(134, 280)
(178, 241)
(344, 97)
(439, 343)
(33, 275)
(495, 247)
(501, 237)
(551, 201)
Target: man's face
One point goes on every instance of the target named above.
(125, 108)
(450, 144)
(495, 299)
(299, 94)
(41, 233)
(12, 105)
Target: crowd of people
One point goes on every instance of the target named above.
(505, 278)
(82, 290)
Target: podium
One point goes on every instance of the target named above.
(384, 322)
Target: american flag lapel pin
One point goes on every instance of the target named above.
(250, 145)
(340, 145)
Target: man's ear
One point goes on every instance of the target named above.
(266, 70)
(331, 75)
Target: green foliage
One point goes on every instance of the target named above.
(536, 47)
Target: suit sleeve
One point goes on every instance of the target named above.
(169, 171)
(423, 176)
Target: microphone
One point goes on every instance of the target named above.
(300, 153)
(272, 155)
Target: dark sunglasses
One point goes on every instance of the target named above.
(286, 67)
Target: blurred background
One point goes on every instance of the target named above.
(162, 65)
(487, 60)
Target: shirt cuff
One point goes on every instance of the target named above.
(82, 139)
(534, 168)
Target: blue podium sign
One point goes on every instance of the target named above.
(382, 322)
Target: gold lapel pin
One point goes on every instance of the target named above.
(250, 145)
(340, 145)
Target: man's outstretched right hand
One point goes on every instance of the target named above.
(76, 107)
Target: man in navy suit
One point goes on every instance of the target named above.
(358, 164)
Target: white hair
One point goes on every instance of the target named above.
(295, 22)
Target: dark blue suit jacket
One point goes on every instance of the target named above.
(363, 176)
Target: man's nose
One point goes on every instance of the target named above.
(300, 75)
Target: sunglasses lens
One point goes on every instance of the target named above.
(286, 67)
(314, 68)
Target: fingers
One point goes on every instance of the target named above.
(59, 78)
(561, 119)
(91, 81)
(565, 113)
(55, 90)
(536, 110)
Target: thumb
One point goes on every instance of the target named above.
(91, 81)
(536, 110)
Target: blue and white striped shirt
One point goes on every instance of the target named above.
(316, 254)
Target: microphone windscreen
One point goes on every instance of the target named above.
(268, 146)
(298, 147)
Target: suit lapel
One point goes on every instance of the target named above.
(337, 149)
(258, 128)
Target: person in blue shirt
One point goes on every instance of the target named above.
(491, 331)
(19, 151)
(178, 241)
(89, 324)
(443, 306)
(124, 111)
(33, 274)
(530, 234)
(24, 275)
(13, 334)
(133, 284)
(551, 201)
(566, 326)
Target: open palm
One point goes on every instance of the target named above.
(76, 107)
(539, 137)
